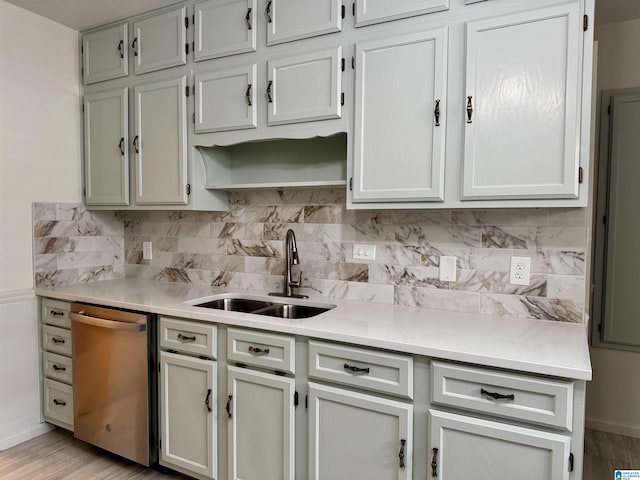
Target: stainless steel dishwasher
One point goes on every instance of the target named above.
(113, 376)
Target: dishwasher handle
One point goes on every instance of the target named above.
(101, 322)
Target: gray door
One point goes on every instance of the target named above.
(620, 306)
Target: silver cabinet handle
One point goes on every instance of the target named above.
(103, 323)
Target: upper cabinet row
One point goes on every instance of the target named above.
(444, 103)
(225, 27)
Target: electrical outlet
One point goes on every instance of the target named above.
(147, 252)
(364, 252)
(447, 269)
(520, 270)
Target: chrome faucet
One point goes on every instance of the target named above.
(292, 268)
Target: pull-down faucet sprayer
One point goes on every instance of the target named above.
(292, 268)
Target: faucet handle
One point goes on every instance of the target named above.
(296, 271)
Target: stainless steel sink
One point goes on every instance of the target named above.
(257, 305)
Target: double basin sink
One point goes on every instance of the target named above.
(257, 305)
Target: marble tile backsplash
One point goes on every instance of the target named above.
(243, 248)
(72, 245)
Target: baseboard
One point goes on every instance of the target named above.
(613, 427)
(34, 432)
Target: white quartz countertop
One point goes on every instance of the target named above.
(537, 346)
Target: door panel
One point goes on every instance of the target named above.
(105, 54)
(159, 41)
(376, 11)
(289, 20)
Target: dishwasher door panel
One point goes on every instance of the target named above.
(111, 382)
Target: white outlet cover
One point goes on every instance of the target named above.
(147, 253)
(520, 270)
(364, 252)
(447, 269)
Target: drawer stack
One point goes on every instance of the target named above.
(57, 368)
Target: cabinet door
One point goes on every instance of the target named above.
(305, 88)
(376, 11)
(400, 118)
(105, 54)
(261, 434)
(106, 147)
(467, 447)
(224, 27)
(289, 20)
(353, 436)
(226, 99)
(188, 426)
(523, 95)
(159, 143)
(160, 41)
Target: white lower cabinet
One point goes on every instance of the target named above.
(467, 447)
(355, 436)
(260, 411)
(188, 423)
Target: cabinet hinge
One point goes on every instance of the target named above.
(193, 19)
(342, 98)
(82, 71)
(84, 192)
(158, 367)
(193, 47)
(571, 462)
(609, 110)
(342, 64)
(604, 220)
(186, 48)
(353, 9)
(194, 118)
(186, 90)
(580, 174)
(188, 189)
(585, 22)
(295, 398)
(343, 11)
(186, 22)
(160, 443)
(353, 63)
(82, 46)
(351, 183)
(600, 328)
(306, 401)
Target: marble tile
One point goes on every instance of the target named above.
(43, 212)
(438, 299)
(240, 280)
(212, 246)
(273, 214)
(239, 231)
(362, 292)
(525, 216)
(533, 238)
(498, 282)
(353, 272)
(439, 235)
(406, 275)
(570, 287)
(262, 265)
(411, 217)
(254, 248)
(532, 307)
(56, 278)
(327, 251)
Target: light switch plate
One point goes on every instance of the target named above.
(447, 269)
(147, 253)
(364, 252)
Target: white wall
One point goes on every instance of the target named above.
(39, 161)
(613, 397)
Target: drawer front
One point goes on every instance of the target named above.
(57, 340)
(58, 402)
(58, 367)
(55, 312)
(188, 337)
(520, 397)
(266, 350)
(358, 367)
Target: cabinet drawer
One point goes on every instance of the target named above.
(58, 367)
(55, 312)
(188, 337)
(520, 397)
(57, 340)
(358, 367)
(266, 350)
(58, 402)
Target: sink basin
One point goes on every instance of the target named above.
(254, 304)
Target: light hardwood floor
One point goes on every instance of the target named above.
(57, 455)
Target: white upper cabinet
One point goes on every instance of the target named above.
(160, 41)
(105, 54)
(289, 20)
(224, 27)
(226, 99)
(305, 87)
(159, 144)
(522, 101)
(369, 12)
(106, 147)
(400, 118)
